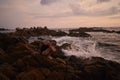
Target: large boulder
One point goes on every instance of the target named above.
(7, 41)
(100, 69)
(33, 74)
(3, 77)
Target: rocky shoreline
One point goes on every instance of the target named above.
(18, 63)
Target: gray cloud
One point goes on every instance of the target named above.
(100, 1)
(47, 2)
(78, 10)
(60, 15)
(119, 3)
(5, 2)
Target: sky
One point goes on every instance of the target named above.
(59, 13)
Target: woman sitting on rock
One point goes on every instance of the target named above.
(48, 48)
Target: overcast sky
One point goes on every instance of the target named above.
(59, 13)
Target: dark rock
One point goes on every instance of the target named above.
(3, 77)
(66, 46)
(59, 33)
(59, 53)
(106, 44)
(34, 74)
(56, 75)
(79, 34)
(7, 41)
(8, 70)
(45, 71)
(101, 69)
(2, 51)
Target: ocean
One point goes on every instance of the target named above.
(105, 45)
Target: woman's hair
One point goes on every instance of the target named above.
(53, 42)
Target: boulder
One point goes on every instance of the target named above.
(100, 69)
(34, 74)
(3, 77)
(79, 34)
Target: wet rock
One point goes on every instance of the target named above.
(2, 51)
(3, 77)
(58, 53)
(8, 70)
(56, 75)
(106, 44)
(60, 60)
(7, 41)
(79, 34)
(66, 46)
(45, 71)
(34, 74)
(59, 33)
(100, 69)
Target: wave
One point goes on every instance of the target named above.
(79, 47)
(83, 47)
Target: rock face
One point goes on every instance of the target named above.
(18, 63)
(38, 31)
(79, 34)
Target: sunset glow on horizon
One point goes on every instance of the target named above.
(59, 13)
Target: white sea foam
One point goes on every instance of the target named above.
(79, 47)
(82, 47)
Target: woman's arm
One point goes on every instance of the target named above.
(52, 48)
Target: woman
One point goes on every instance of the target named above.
(48, 48)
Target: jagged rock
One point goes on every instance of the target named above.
(3, 77)
(99, 69)
(7, 41)
(1, 51)
(66, 46)
(60, 60)
(45, 71)
(79, 34)
(56, 75)
(34, 74)
(8, 70)
(59, 33)
(58, 53)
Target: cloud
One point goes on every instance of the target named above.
(119, 3)
(47, 2)
(57, 15)
(115, 17)
(100, 1)
(78, 10)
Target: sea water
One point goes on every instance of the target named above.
(89, 47)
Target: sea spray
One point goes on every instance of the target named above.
(79, 47)
(83, 47)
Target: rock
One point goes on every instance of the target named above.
(8, 70)
(7, 41)
(59, 33)
(79, 34)
(34, 74)
(60, 60)
(45, 71)
(99, 69)
(66, 46)
(56, 75)
(106, 44)
(2, 51)
(3, 77)
(59, 53)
